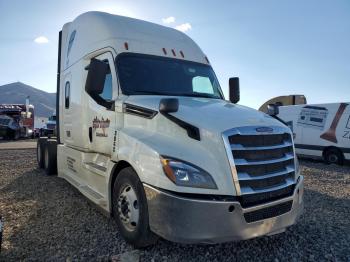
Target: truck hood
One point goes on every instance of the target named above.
(214, 115)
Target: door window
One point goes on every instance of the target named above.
(105, 97)
(67, 95)
(107, 92)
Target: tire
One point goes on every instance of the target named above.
(17, 135)
(130, 209)
(40, 148)
(333, 156)
(50, 157)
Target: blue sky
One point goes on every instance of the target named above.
(275, 47)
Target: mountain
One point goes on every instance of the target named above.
(16, 93)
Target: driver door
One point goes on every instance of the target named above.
(101, 120)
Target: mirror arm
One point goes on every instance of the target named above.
(279, 119)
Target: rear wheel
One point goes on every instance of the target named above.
(333, 156)
(130, 209)
(40, 148)
(50, 157)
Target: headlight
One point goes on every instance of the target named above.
(185, 174)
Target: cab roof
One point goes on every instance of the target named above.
(95, 30)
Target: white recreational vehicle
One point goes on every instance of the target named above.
(320, 130)
(144, 132)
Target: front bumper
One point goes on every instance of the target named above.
(188, 220)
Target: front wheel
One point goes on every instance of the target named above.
(130, 209)
(333, 156)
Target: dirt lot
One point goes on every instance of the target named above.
(20, 144)
(47, 219)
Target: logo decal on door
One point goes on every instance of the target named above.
(100, 126)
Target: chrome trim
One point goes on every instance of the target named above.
(229, 155)
(240, 147)
(243, 162)
(246, 176)
(249, 190)
(251, 130)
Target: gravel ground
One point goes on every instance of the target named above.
(19, 144)
(47, 219)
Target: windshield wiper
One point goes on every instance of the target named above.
(205, 95)
(152, 92)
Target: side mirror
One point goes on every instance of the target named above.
(272, 110)
(169, 105)
(234, 89)
(95, 80)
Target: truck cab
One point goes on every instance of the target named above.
(16, 121)
(49, 129)
(145, 133)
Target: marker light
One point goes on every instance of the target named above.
(185, 174)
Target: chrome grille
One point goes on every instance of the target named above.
(261, 163)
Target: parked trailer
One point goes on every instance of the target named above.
(144, 132)
(321, 130)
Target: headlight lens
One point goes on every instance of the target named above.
(185, 174)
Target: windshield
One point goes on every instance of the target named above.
(152, 75)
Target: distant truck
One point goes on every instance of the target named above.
(145, 133)
(16, 121)
(49, 129)
(320, 130)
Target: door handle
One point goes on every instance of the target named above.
(90, 134)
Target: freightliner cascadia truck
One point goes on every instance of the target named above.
(145, 133)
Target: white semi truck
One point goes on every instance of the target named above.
(145, 133)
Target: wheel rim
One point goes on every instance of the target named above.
(333, 158)
(46, 159)
(128, 207)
